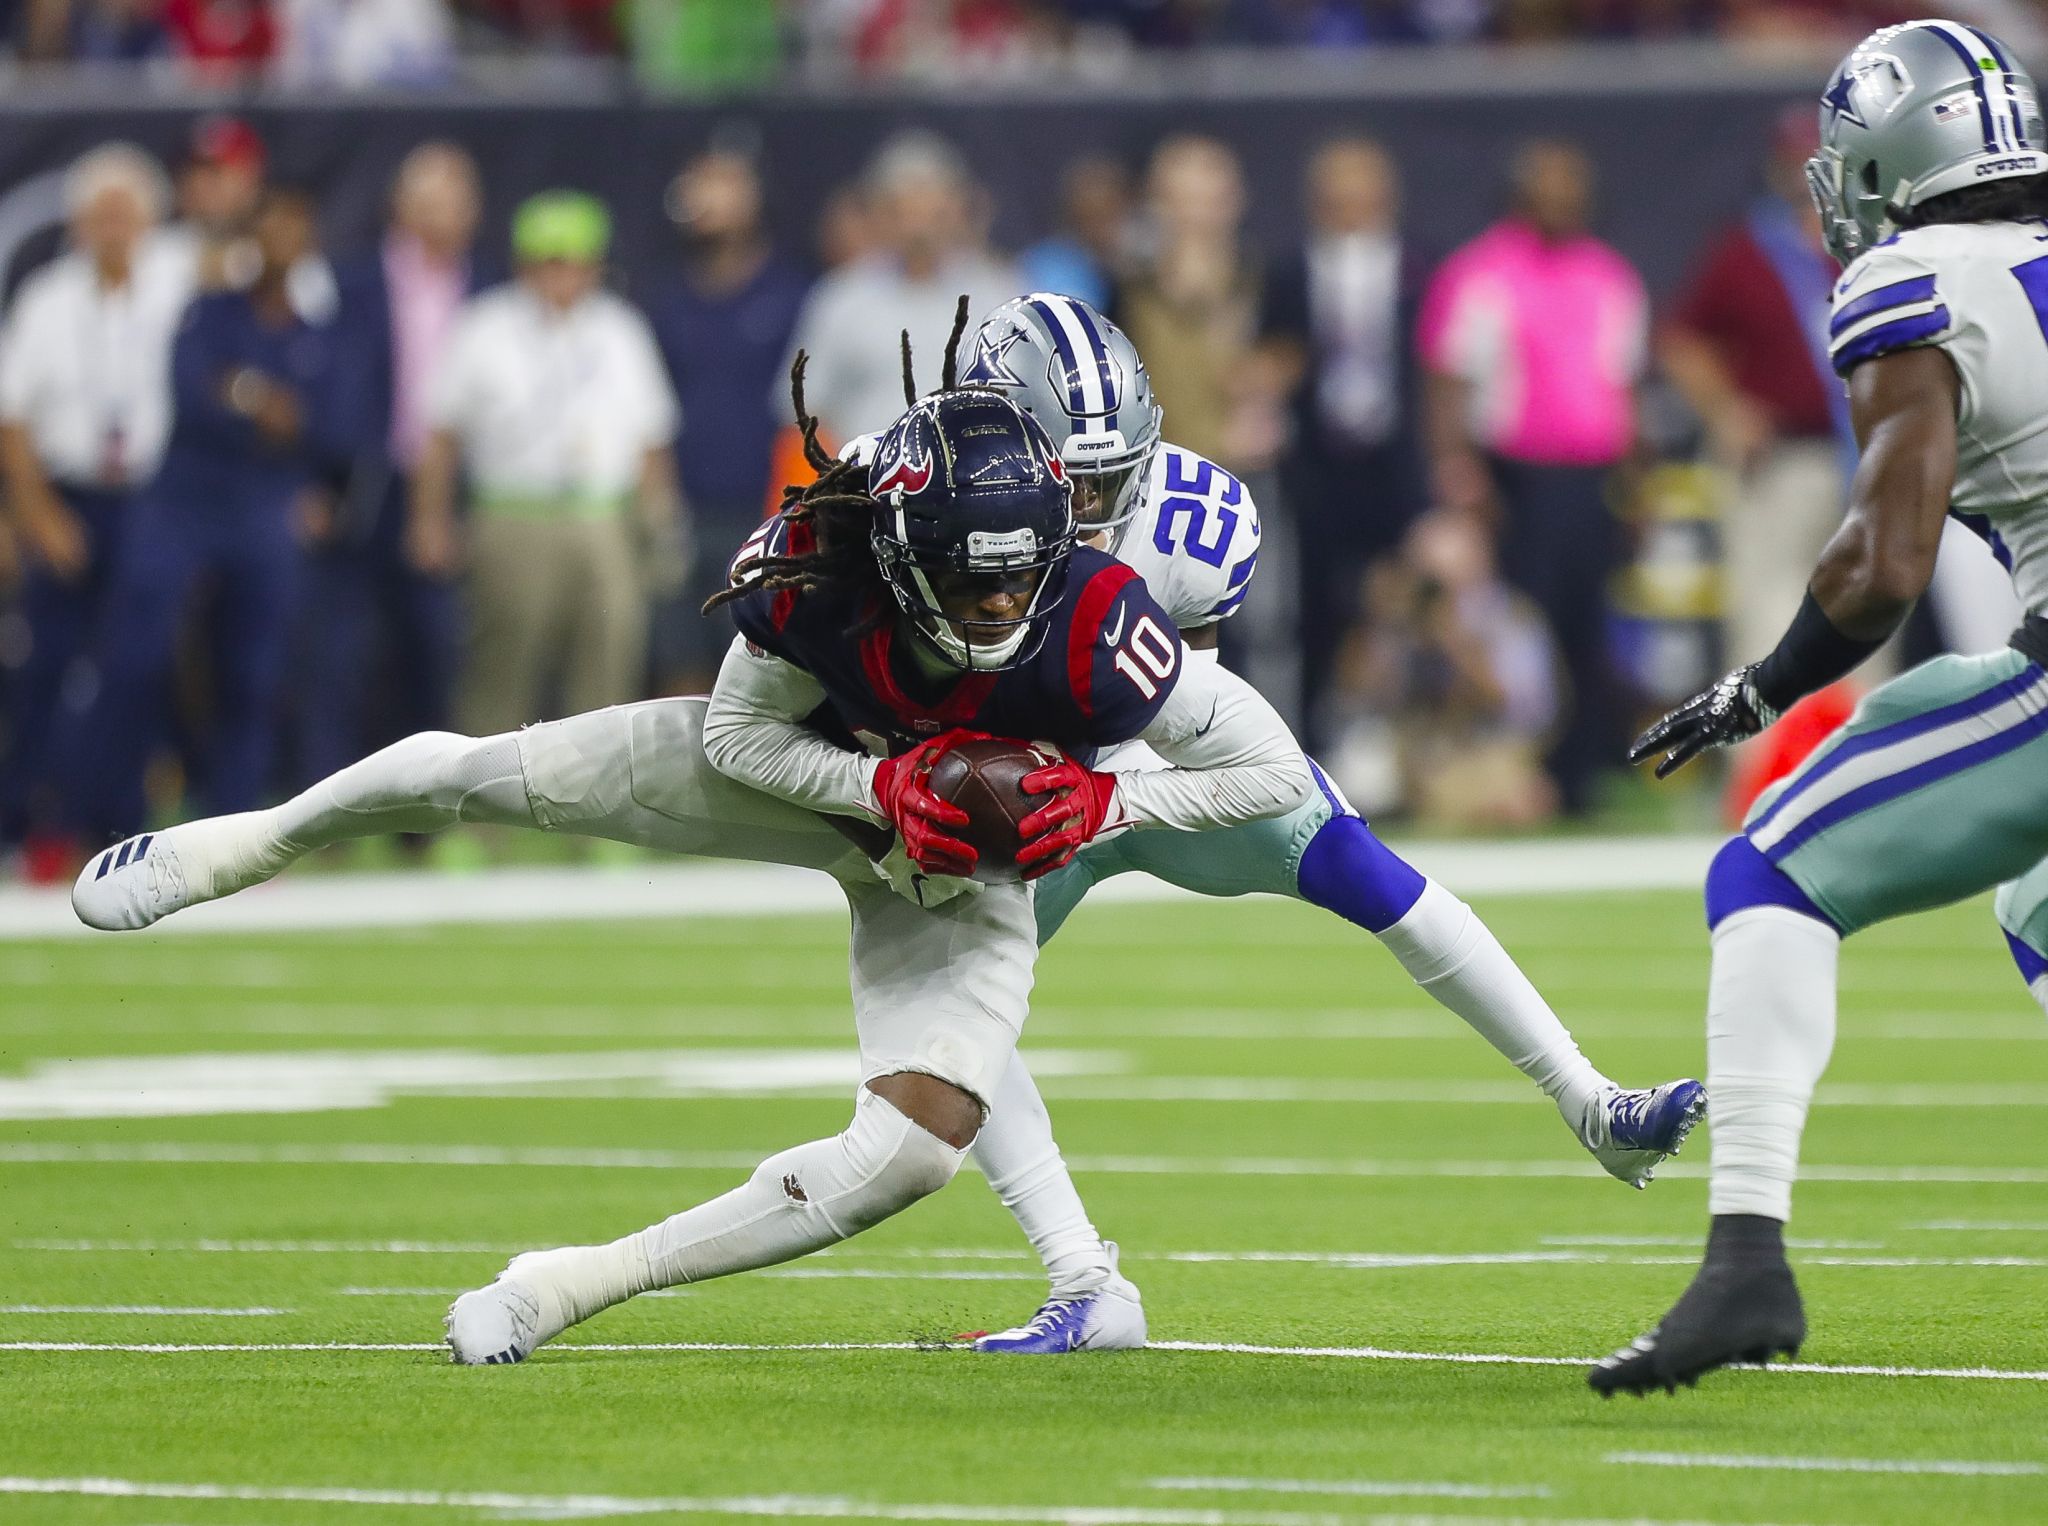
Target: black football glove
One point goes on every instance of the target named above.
(1730, 712)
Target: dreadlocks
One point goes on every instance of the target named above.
(837, 506)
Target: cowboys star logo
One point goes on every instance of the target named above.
(990, 366)
(1840, 100)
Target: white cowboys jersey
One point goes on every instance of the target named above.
(1979, 291)
(1194, 539)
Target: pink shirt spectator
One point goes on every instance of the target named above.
(1549, 336)
(425, 297)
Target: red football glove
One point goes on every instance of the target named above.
(1067, 823)
(919, 816)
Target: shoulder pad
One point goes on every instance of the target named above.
(1197, 543)
(1123, 654)
(1890, 299)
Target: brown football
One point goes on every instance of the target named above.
(985, 779)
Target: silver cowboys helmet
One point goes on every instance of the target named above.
(1917, 111)
(1080, 377)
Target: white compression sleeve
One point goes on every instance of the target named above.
(754, 732)
(1452, 955)
(1017, 1153)
(1234, 760)
(424, 783)
(803, 1199)
(1770, 1030)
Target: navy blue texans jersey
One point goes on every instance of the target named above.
(1108, 661)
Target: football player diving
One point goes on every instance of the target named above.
(640, 774)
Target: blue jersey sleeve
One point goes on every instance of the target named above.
(1123, 653)
(763, 615)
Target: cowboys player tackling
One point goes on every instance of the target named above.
(639, 774)
(1932, 183)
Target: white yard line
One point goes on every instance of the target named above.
(169, 1153)
(1364, 1488)
(1946, 1466)
(677, 890)
(1269, 1089)
(592, 1506)
(273, 1247)
(1210, 1348)
(1623, 1241)
(138, 1308)
(1994, 1226)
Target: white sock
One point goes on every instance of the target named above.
(1770, 1029)
(1452, 955)
(801, 1200)
(424, 783)
(1016, 1152)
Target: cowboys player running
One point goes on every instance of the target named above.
(1192, 532)
(1932, 183)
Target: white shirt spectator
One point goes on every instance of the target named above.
(852, 325)
(365, 42)
(553, 407)
(86, 369)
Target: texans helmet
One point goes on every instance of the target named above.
(972, 499)
(1079, 375)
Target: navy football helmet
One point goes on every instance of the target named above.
(974, 500)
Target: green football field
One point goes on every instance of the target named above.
(1373, 1259)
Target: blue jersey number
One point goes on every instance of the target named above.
(2033, 279)
(1201, 545)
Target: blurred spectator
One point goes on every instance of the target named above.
(250, 383)
(218, 188)
(1191, 308)
(85, 408)
(1747, 345)
(1082, 257)
(1332, 330)
(221, 37)
(551, 26)
(551, 393)
(846, 227)
(703, 44)
(928, 253)
(723, 324)
(95, 31)
(1533, 337)
(376, 627)
(1462, 671)
(359, 43)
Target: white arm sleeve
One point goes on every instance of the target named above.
(754, 732)
(1234, 760)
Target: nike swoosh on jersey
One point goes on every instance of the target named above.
(1112, 637)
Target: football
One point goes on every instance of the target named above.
(985, 779)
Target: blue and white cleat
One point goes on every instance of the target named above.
(146, 878)
(1110, 1318)
(1631, 1132)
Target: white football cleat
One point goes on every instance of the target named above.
(146, 878)
(1632, 1132)
(540, 1294)
(1111, 1318)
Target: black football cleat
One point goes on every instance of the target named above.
(1743, 1306)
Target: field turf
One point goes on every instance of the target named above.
(1295, 1149)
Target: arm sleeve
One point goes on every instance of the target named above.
(1890, 300)
(1233, 758)
(754, 732)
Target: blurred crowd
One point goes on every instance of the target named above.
(268, 505)
(700, 43)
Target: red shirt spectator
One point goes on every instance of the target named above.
(222, 35)
(1739, 304)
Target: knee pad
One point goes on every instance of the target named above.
(1741, 878)
(1347, 870)
(880, 1165)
